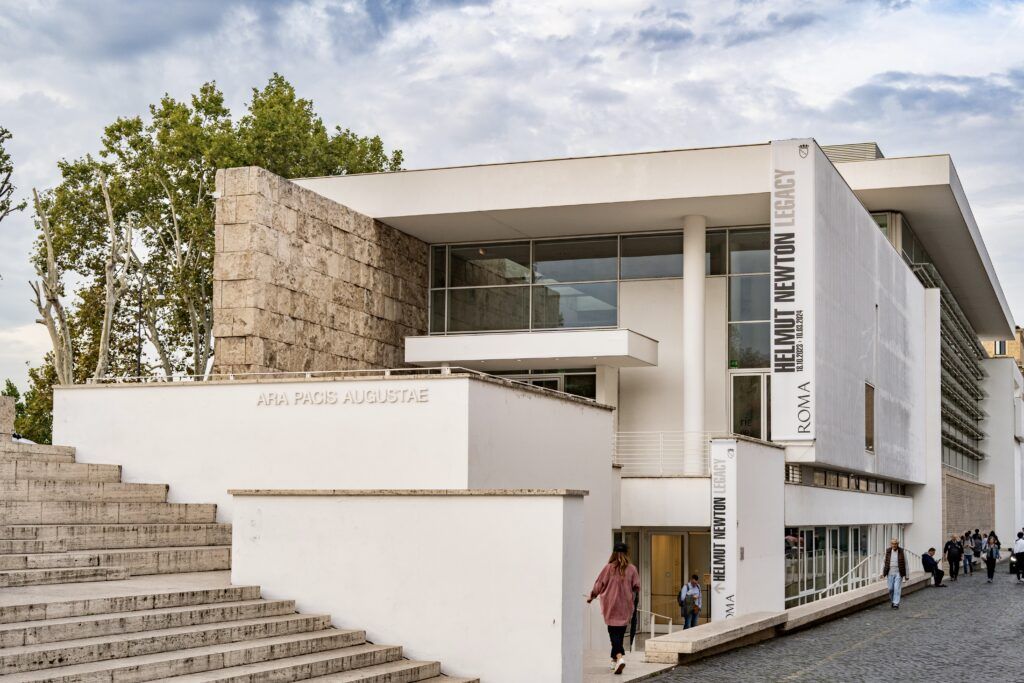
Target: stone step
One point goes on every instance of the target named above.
(81, 491)
(15, 449)
(365, 664)
(65, 471)
(135, 595)
(74, 628)
(40, 577)
(90, 536)
(8, 546)
(14, 455)
(139, 561)
(140, 664)
(21, 512)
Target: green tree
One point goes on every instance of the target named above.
(7, 203)
(33, 412)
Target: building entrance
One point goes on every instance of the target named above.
(674, 557)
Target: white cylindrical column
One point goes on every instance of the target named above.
(694, 229)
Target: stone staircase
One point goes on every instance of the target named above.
(102, 580)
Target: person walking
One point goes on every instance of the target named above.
(953, 551)
(978, 543)
(932, 567)
(689, 600)
(990, 553)
(894, 571)
(968, 553)
(1018, 552)
(616, 585)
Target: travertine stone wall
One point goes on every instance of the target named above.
(303, 283)
(966, 504)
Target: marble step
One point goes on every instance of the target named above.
(135, 595)
(139, 561)
(178, 662)
(89, 536)
(81, 491)
(180, 643)
(41, 577)
(16, 452)
(363, 664)
(74, 628)
(8, 546)
(31, 512)
(64, 471)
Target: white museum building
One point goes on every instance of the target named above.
(754, 363)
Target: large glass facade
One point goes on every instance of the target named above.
(573, 283)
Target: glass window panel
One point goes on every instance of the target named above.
(748, 345)
(437, 311)
(832, 479)
(882, 219)
(586, 305)
(749, 298)
(819, 477)
(577, 260)
(488, 308)
(490, 264)
(869, 418)
(437, 266)
(581, 385)
(652, 256)
(746, 405)
(714, 253)
(748, 251)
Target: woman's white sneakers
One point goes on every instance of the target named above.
(619, 665)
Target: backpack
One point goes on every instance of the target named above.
(680, 598)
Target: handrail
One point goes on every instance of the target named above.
(845, 579)
(653, 623)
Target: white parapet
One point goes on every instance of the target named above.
(486, 581)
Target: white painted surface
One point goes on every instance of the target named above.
(927, 529)
(534, 350)
(694, 232)
(815, 506)
(666, 501)
(760, 471)
(490, 586)
(651, 399)
(870, 316)
(1001, 467)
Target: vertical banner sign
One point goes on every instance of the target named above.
(723, 529)
(792, 290)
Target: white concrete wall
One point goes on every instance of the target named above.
(870, 321)
(666, 501)
(490, 586)
(814, 506)
(651, 399)
(927, 528)
(760, 484)
(1002, 464)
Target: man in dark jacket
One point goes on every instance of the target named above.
(953, 551)
(932, 567)
(894, 571)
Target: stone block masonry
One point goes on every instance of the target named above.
(303, 283)
(967, 504)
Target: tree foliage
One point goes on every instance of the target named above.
(7, 203)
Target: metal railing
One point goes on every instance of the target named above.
(663, 454)
(865, 572)
(651, 619)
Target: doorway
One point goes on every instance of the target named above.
(674, 557)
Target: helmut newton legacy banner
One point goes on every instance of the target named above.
(792, 289)
(723, 529)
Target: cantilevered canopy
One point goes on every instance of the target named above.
(654, 190)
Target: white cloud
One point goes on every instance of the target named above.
(451, 83)
(20, 346)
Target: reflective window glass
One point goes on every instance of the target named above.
(488, 308)
(437, 266)
(576, 260)
(437, 310)
(749, 298)
(652, 256)
(585, 305)
(490, 264)
(746, 405)
(581, 385)
(714, 253)
(748, 251)
(748, 345)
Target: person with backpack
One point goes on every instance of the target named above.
(894, 571)
(690, 602)
(953, 551)
(968, 545)
(617, 585)
(979, 543)
(990, 553)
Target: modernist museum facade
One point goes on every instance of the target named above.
(759, 362)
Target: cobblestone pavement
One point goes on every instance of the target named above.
(925, 640)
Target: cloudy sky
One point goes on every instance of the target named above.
(470, 82)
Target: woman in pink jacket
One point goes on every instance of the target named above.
(616, 585)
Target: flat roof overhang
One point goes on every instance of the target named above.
(654, 190)
(534, 350)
